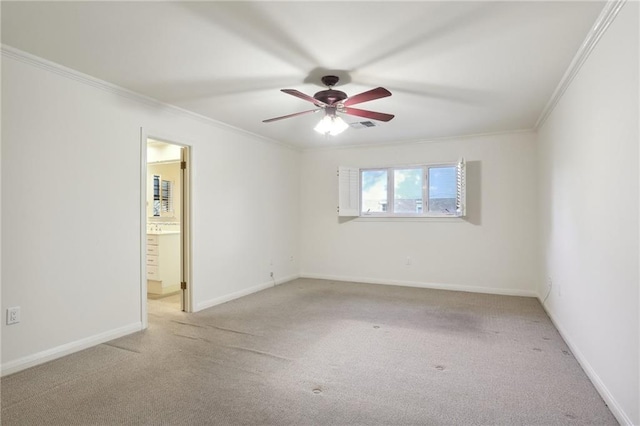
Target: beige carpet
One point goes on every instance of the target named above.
(314, 352)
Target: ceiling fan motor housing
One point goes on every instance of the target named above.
(330, 96)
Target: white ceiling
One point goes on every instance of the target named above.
(454, 68)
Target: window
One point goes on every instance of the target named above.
(413, 191)
(407, 190)
(167, 196)
(156, 195)
(374, 191)
(162, 196)
(442, 189)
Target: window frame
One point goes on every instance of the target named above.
(390, 213)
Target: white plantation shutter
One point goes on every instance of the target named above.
(461, 193)
(348, 191)
(167, 196)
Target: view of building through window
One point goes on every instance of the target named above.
(407, 190)
(442, 189)
(374, 191)
(404, 190)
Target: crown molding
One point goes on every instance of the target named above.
(606, 17)
(36, 61)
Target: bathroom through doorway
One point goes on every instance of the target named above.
(166, 242)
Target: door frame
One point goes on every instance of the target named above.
(185, 224)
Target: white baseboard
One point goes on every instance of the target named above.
(602, 389)
(66, 349)
(435, 286)
(237, 294)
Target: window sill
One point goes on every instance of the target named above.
(409, 218)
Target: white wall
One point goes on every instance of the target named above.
(158, 152)
(589, 215)
(491, 250)
(71, 261)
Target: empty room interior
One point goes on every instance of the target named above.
(320, 212)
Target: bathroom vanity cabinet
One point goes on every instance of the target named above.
(163, 262)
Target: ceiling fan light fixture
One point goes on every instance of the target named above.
(331, 125)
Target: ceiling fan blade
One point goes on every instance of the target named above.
(290, 115)
(301, 95)
(369, 95)
(368, 114)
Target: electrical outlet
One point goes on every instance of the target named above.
(271, 274)
(13, 315)
(408, 261)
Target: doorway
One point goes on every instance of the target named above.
(165, 184)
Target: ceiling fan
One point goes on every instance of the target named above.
(335, 101)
